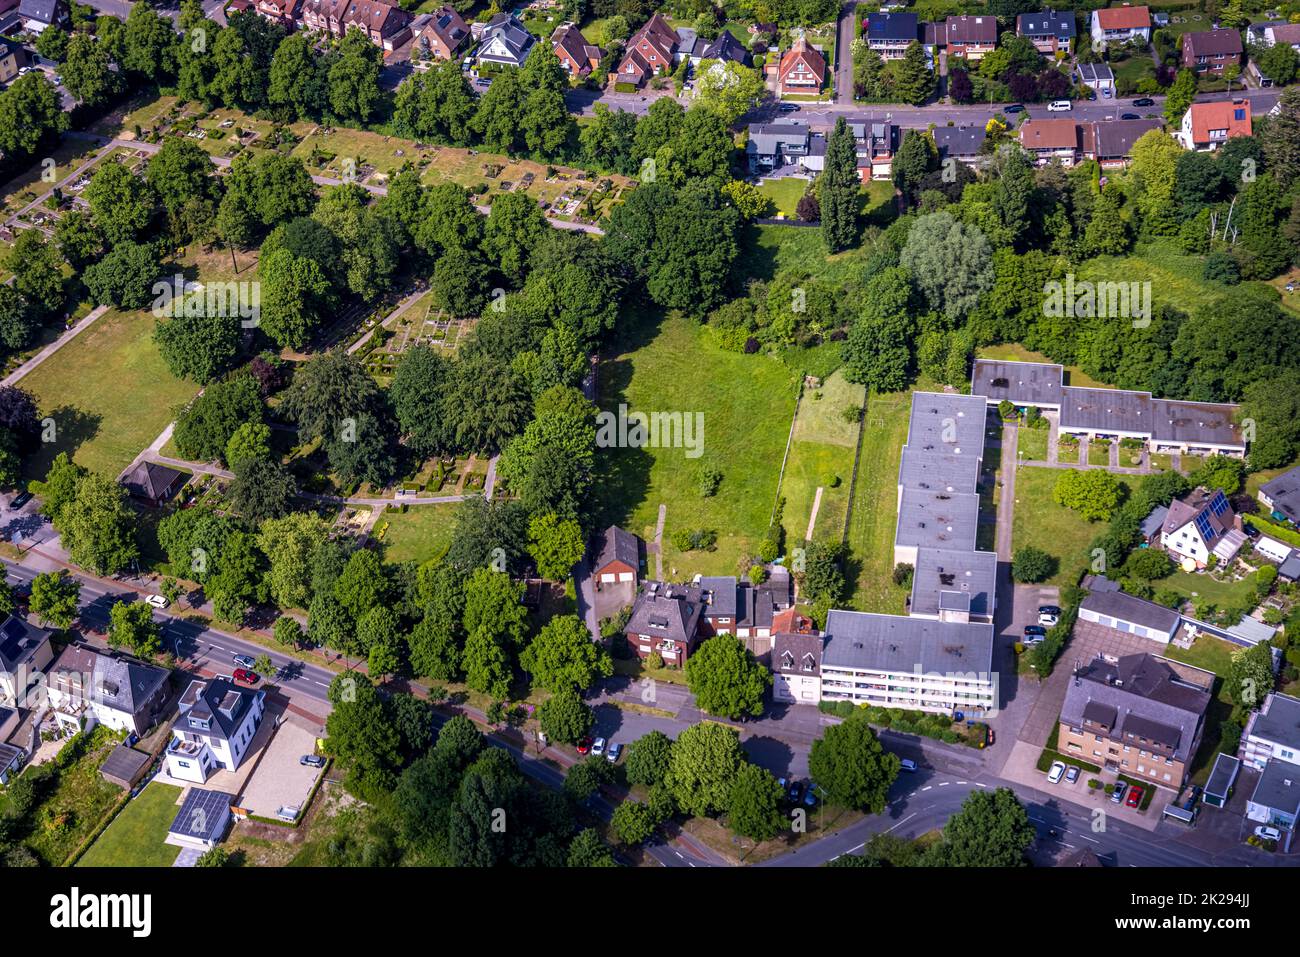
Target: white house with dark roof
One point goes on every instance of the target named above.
(504, 42)
(216, 726)
(1272, 732)
(1130, 614)
(796, 667)
(1282, 495)
(25, 652)
(962, 143)
(202, 821)
(1050, 31)
(86, 687)
(1199, 525)
(39, 15)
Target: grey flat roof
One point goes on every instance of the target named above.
(1118, 604)
(947, 422)
(1208, 423)
(1106, 410)
(1279, 787)
(939, 471)
(203, 814)
(1155, 521)
(1279, 720)
(1023, 383)
(1221, 777)
(937, 519)
(124, 763)
(857, 639)
(941, 572)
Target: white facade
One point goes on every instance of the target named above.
(916, 691)
(1258, 746)
(1131, 627)
(1101, 36)
(199, 747)
(1186, 542)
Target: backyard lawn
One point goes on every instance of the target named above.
(668, 365)
(135, 838)
(109, 392)
(1033, 444)
(1099, 452)
(785, 193)
(821, 455)
(1208, 652)
(1200, 587)
(1042, 523)
(875, 504)
(422, 533)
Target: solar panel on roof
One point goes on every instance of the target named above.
(1218, 504)
(1203, 526)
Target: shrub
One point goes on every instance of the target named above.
(1031, 564)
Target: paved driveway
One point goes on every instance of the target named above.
(280, 778)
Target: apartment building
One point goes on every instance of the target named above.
(1140, 715)
(386, 25)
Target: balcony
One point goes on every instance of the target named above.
(185, 749)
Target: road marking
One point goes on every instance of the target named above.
(901, 823)
(943, 784)
(978, 785)
(1087, 838)
(961, 782)
(926, 788)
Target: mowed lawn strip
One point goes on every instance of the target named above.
(1041, 523)
(109, 392)
(875, 503)
(422, 533)
(747, 403)
(135, 838)
(822, 453)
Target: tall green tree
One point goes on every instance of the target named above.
(850, 765)
(726, 679)
(839, 190)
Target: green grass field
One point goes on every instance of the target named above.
(821, 454)
(1031, 444)
(109, 393)
(422, 533)
(668, 365)
(1208, 652)
(785, 193)
(1099, 452)
(875, 504)
(1042, 523)
(135, 838)
(1200, 587)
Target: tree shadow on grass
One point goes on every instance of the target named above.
(72, 428)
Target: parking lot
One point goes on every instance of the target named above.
(280, 778)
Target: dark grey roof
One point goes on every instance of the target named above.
(665, 610)
(727, 47)
(1155, 521)
(619, 545)
(947, 422)
(1284, 492)
(1222, 42)
(519, 42)
(151, 480)
(944, 572)
(1126, 607)
(1114, 139)
(938, 471)
(1290, 569)
(1209, 510)
(18, 642)
(1278, 720)
(1222, 776)
(1093, 72)
(1110, 410)
(893, 27)
(1279, 787)
(124, 684)
(959, 140)
(1046, 23)
(42, 11)
(1023, 383)
(203, 815)
(1209, 423)
(936, 519)
(1098, 712)
(719, 596)
(858, 639)
(790, 650)
(216, 703)
(124, 763)
(9, 755)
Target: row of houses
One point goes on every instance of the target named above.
(771, 146)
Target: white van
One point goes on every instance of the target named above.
(1060, 106)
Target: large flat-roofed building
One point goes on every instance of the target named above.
(954, 585)
(1165, 425)
(1140, 715)
(934, 519)
(947, 423)
(912, 663)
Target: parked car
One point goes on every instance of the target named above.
(1072, 774)
(244, 661)
(1134, 796)
(908, 764)
(1056, 773)
(1030, 640)
(1268, 833)
(158, 601)
(1032, 631)
(1144, 101)
(598, 747)
(810, 795)
(1052, 610)
(614, 753)
(312, 760)
(796, 792)
(1060, 106)
(246, 677)
(1014, 108)
(1048, 621)
(584, 746)
(789, 107)
(1129, 116)
(21, 499)
(1118, 794)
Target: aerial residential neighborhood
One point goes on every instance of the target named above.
(647, 435)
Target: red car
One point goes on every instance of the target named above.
(1134, 796)
(584, 746)
(244, 676)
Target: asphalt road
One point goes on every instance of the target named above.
(198, 646)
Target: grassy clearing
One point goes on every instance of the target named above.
(1208, 652)
(784, 193)
(1175, 276)
(135, 838)
(1201, 587)
(746, 403)
(1033, 444)
(875, 503)
(109, 392)
(821, 455)
(1041, 523)
(1099, 452)
(422, 533)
